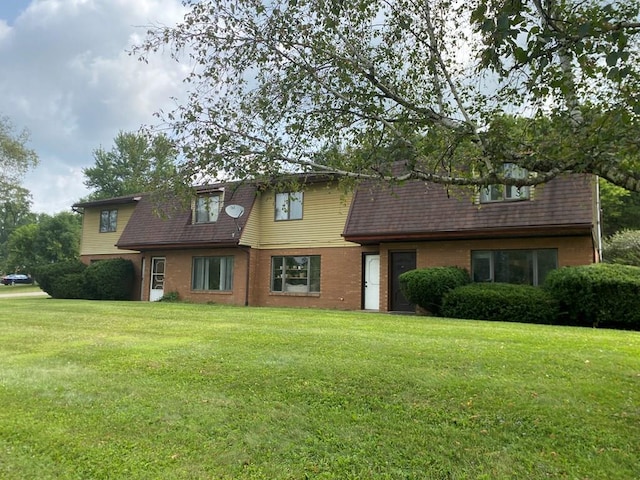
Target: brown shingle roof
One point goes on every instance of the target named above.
(418, 210)
(147, 230)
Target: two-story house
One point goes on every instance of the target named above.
(247, 244)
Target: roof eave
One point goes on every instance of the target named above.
(520, 232)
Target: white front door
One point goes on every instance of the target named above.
(156, 290)
(372, 282)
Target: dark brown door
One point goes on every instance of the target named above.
(400, 262)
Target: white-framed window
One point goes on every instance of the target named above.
(299, 274)
(288, 206)
(206, 209)
(108, 221)
(528, 267)
(212, 273)
(501, 193)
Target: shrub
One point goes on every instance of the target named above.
(501, 302)
(49, 276)
(600, 294)
(109, 279)
(70, 285)
(425, 287)
(170, 297)
(623, 247)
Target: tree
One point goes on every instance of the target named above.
(51, 239)
(15, 201)
(449, 91)
(620, 209)
(134, 164)
(623, 247)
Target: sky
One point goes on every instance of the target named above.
(66, 76)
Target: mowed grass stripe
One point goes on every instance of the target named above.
(139, 390)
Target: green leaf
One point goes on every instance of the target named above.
(585, 29)
(612, 58)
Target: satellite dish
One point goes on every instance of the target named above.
(234, 211)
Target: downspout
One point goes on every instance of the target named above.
(598, 220)
(247, 250)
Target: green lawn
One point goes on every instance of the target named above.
(11, 289)
(107, 390)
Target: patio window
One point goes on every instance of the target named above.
(528, 267)
(212, 273)
(295, 274)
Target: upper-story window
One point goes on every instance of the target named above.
(500, 193)
(207, 208)
(108, 221)
(289, 206)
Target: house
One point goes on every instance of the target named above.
(247, 244)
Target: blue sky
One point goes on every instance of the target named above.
(67, 78)
(10, 9)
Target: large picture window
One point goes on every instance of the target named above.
(289, 206)
(108, 221)
(212, 273)
(295, 274)
(529, 267)
(207, 208)
(501, 193)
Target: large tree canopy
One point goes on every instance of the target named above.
(15, 201)
(451, 90)
(133, 165)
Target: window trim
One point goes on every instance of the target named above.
(507, 193)
(535, 265)
(228, 277)
(286, 206)
(281, 273)
(207, 211)
(112, 221)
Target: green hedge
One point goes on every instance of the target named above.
(425, 287)
(597, 295)
(104, 280)
(501, 302)
(109, 279)
(49, 277)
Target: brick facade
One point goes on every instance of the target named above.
(571, 251)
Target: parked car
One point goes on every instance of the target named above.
(14, 278)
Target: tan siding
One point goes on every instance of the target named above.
(96, 243)
(251, 232)
(324, 215)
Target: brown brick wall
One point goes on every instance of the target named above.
(340, 279)
(571, 251)
(178, 275)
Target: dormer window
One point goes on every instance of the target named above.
(501, 193)
(288, 206)
(206, 208)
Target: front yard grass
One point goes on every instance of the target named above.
(124, 390)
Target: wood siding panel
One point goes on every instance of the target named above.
(325, 212)
(95, 243)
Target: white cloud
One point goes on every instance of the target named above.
(68, 78)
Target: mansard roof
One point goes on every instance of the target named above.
(169, 224)
(417, 210)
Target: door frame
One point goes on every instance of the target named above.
(393, 282)
(157, 278)
(365, 256)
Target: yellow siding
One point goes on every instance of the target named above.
(251, 231)
(96, 243)
(325, 211)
